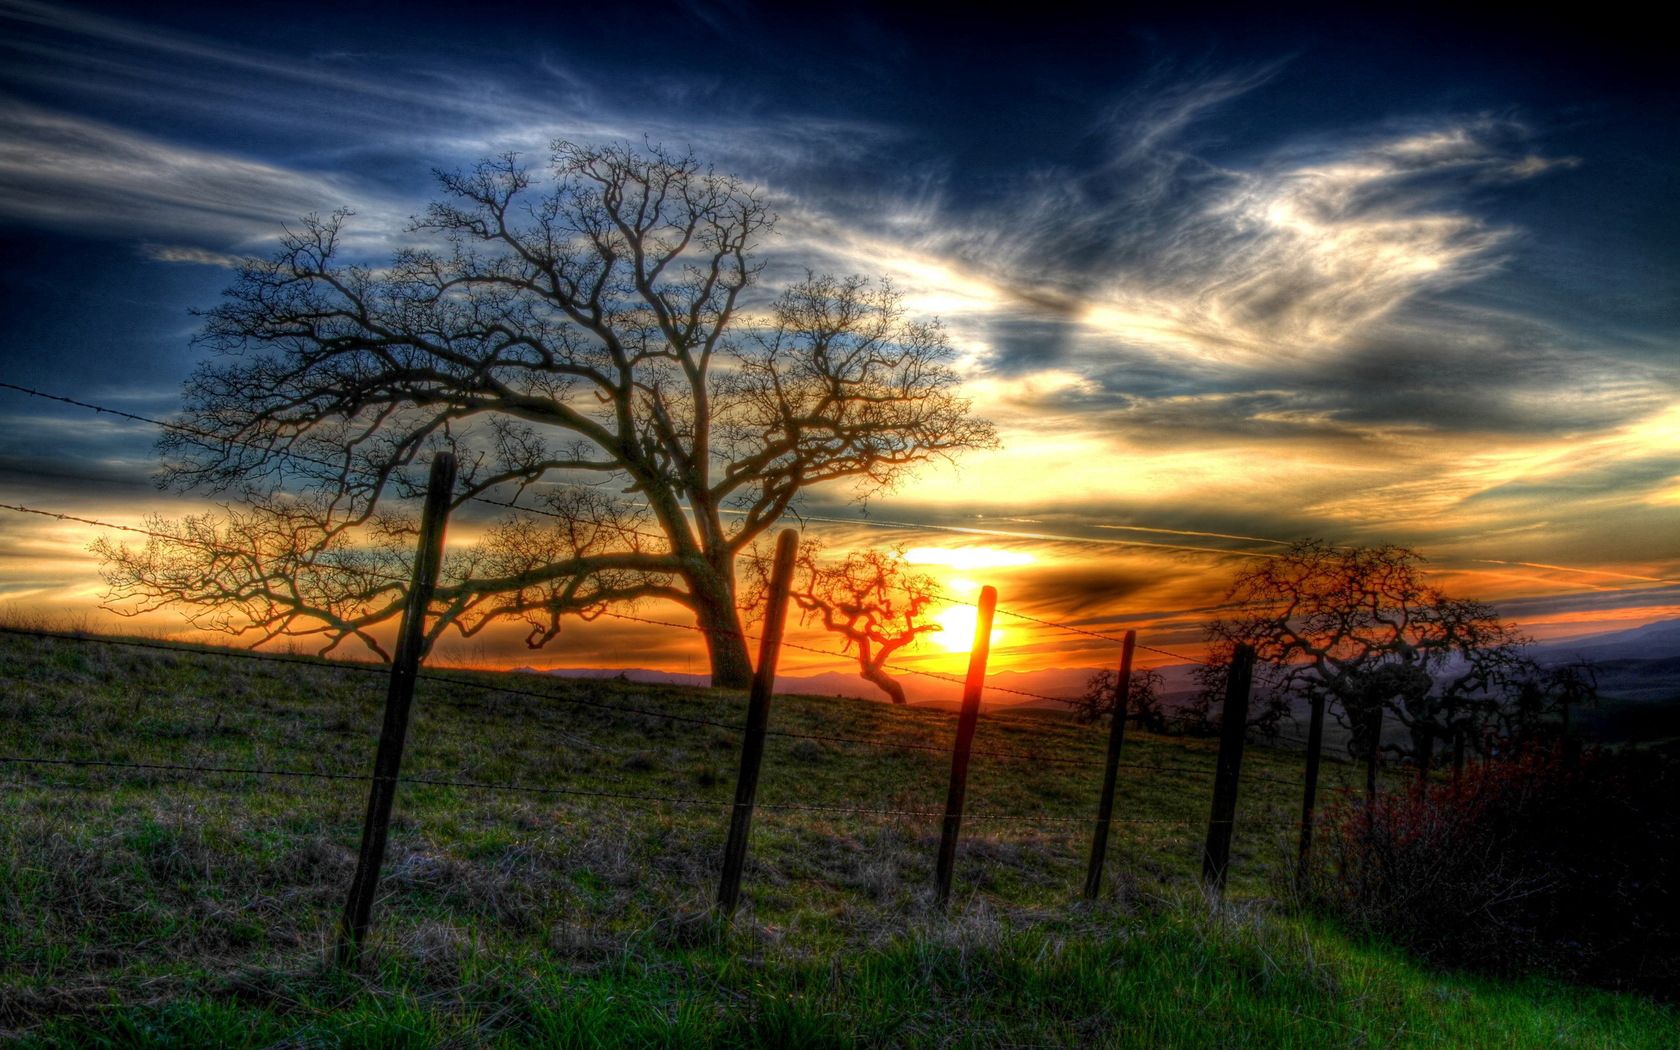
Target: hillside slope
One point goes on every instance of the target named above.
(157, 906)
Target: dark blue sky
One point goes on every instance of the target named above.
(1421, 266)
(374, 95)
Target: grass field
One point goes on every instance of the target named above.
(152, 908)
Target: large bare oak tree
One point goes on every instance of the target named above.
(588, 342)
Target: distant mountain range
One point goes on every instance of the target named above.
(1654, 641)
(1638, 664)
(1642, 664)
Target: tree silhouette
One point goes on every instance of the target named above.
(1204, 714)
(1359, 629)
(1145, 706)
(578, 338)
(871, 598)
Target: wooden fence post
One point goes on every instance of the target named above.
(399, 697)
(1216, 857)
(758, 719)
(965, 741)
(1373, 756)
(1116, 737)
(1309, 791)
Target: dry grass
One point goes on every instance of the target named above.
(206, 904)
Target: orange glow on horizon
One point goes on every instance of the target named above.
(1162, 591)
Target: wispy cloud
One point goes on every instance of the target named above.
(70, 172)
(1286, 260)
(180, 253)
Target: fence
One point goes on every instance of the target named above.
(386, 776)
(1219, 826)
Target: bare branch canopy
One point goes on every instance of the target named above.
(589, 341)
(1361, 630)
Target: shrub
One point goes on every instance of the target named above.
(1544, 862)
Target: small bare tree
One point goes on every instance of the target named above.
(1205, 713)
(581, 339)
(1145, 706)
(1544, 700)
(871, 598)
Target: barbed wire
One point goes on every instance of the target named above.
(199, 650)
(901, 668)
(273, 450)
(1024, 756)
(19, 508)
(1169, 652)
(575, 701)
(370, 668)
(512, 505)
(578, 701)
(180, 427)
(992, 816)
(188, 540)
(1033, 757)
(1072, 629)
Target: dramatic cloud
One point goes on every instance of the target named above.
(1209, 312)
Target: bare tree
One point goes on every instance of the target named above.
(1359, 629)
(1145, 705)
(1204, 715)
(581, 338)
(1544, 700)
(871, 598)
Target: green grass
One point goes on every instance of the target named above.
(150, 909)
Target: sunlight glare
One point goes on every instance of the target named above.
(957, 624)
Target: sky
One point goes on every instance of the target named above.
(1222, 281)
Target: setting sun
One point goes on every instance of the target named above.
(956, 629)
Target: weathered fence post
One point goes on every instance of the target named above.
(1116, 737)
(399, 697)
(1216, 857)
(965, 741)
(1373, 757)
(1309, 791)
(758, 719)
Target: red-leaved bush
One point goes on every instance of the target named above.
(1544, 862)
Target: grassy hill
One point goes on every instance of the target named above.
(156, 908)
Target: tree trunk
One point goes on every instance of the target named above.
(1423, 749)
(883, 681)
(1373, 753)
(726, 642)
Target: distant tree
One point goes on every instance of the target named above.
(578, 337)
(871, 598)
(1144, 701)
(1204, 715)
(1359, 629)
(1544, 701)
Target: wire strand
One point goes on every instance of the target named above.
(485, 785)
(574, 701)
(303, 458)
